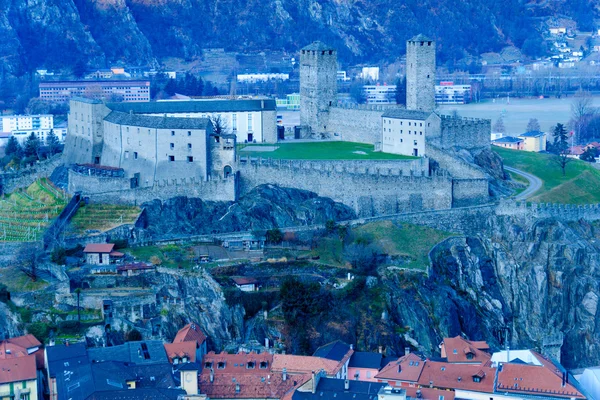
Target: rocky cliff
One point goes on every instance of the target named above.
(264, 207)
(57, 33)
(536, 278)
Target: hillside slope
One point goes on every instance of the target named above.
(57, 33)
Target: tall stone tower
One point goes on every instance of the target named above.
(420, 73)
(318, 86)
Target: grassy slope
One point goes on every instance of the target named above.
(323, 151)
(580, 185)
(103, 217)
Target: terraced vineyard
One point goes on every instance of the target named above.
(102, 217)
(26, 213)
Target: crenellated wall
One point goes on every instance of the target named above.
(464, 133)
(368, 190)
(117, 190)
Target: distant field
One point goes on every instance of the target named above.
(516, 114)
(26, 213)
(320, 151)
(102, 217)
(580, 185)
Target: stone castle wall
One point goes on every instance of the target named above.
(26, 176)
(356, 124)
(117, 190)
(420, 75)
(464, 133)
(369, 191)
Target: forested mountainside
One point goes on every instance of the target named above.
(59, 33)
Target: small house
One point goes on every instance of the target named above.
(509, 142)
(101, 254)
(246, 284)
(244, 242)
(534, 141)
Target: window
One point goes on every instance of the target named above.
(127, 129)
(234, 122)
(172, 133)
(190, 159)
(221, 365)
(126, 155)
(217, 139)
(189, 146)
(476, 379)
(249, 122)
(263, 365)
(135, 155)
(469, 356)
(250, 365)
(171, 158)
(172, 146)
(415, 145)
(189, 133)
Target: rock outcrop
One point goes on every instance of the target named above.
(538, 279)
(265, 207)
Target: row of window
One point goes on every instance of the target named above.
(190, 159)
(389, 121)
(401, 140)
(401, 131)
(248, 365)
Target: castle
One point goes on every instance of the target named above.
(136, 152)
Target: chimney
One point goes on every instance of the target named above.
(351, 347)
(564, 379)
(284, 374)
(314, 383)
(346, 384)
(406, 351)
(380, 349)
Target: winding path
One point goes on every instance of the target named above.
(535, 183)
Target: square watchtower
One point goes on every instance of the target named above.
(420, 73)
(318, 85)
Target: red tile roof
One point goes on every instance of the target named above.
(304, 364)
(429, 393)
(27, 341)
(18, 369)
(407, 368)
(457, 350)
(445, 375)
(99, 248)
(529, 379)
(244, 280)
(249, 386)
(21, 346)
(190, 333)
(224, 363)
(180, 350)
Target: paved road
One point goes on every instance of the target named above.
(535, 183)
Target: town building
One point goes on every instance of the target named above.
(462, 351)
(101, 254)
(290, 103)
(125, 90)
(364, 366)
(333, 359)
(192, 333)
(19, 378)
(449, 93)
(342, 76)
(262, 77)
(534, 141)
(370, 74)
(22, 126)
(510, 142)
(380, 94)
(245, 283)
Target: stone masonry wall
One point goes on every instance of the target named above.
(464, 133)
(369, 192)
(117, 190)
(25, 177)
(356, 124)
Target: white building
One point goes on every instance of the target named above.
(22, 126)
(370, 73)
(342, 76)
(380, 94)
(404, 131)
(253, 78)
(449, 93)
(590, 381)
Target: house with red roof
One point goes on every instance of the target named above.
(460, 350)
(21, 362)
(189, 345)
(101, 254)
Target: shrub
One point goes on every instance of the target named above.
(40, 330)
(59, 255)
(133, 336)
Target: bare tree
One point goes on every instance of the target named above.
(533, 125)
(499, 126)
(219, 125)
(582, 111)
(28, 259)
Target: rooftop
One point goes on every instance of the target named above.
(304, 364)
(337, 351)
(194, 106)
(402, 113)
(244, 280)
(180, 350)
(407, 368)
(328, 388)
(420, 38)
(532, 134)
(190, 333)
(507, 139)
(143, 352)
(99, 248)
(364, 359)
(318, 46)
(460, 350)
(123, 118)
(18, 369)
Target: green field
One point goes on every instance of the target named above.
(580, 185)
(26, 213)
(102, 217)
(333, 150)
(407, 240)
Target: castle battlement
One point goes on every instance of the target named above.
(461, 121)
(564, 212)
(367, 107)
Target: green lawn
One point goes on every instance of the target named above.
(334, 150)
(580, 185)
(400, 239)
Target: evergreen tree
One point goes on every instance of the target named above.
(199, 88)
(52, 142)
(171, 87)
(401, 91)
(13, 148)
(561, 148)
(32, 145)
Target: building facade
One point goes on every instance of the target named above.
(404, 131)
(420, 74)
(22, 126)
(63, 91)
(449, 93)
(380, 94)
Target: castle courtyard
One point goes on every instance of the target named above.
(321, 150)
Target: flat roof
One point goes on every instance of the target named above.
(195, 106)
(146, 121)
